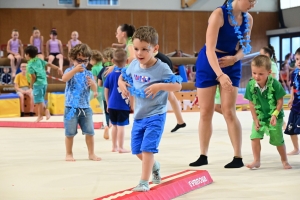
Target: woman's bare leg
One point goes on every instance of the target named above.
(228, 105)
(206, 103)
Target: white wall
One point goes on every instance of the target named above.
(291, 17)
(201, 5)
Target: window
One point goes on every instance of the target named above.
(275, 42)
(285, 4)
(65, 2)
(295, 44)
(103, 2)
(286, 47)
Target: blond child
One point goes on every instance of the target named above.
(265, 94)
(22, 87)
(15, 51)
(37, 40)
(107, 62)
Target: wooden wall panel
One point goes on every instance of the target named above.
(156, 20)
(186, 29)
(177, 29)
(200, 24)
(171, 36)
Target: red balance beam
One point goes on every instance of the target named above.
(172, 186)
(15, 124)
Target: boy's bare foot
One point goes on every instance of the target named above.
(94, 157)
(294, 152)
(253, 165)
(40, 118)
(106, 133)
(124, 151)
(47, 113)
(115, 149)
(286, 165)
(70, 158)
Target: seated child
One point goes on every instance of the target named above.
(265, 95)
(22, 87)
(117, 105)
(5, 77)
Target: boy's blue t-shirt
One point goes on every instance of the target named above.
(115, 99)
(296, 101)
(143, 78)
(84, 90)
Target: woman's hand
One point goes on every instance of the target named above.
(225, 82)
(227, 61)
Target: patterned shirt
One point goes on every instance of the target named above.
(37, 66)
(77, 87)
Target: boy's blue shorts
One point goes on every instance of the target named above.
(39, 92)
(146, 133)
(82, 117)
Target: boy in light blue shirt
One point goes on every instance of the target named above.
(150, 80)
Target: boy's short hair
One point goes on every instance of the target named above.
(262, 61)
(31, 50)
(120, 57)
(23, 64)
(147, 34)
(108, 53)
(297, 51)
(97, 56)
(80, 49)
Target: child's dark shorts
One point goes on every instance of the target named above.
(119, 117)
(293, 125)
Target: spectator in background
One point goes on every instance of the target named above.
(5, 77)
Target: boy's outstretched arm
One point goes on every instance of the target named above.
(290, 103)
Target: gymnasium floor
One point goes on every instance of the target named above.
(32, 164)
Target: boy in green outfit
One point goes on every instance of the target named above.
(266, 99)
(36, 68)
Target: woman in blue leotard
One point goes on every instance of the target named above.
(218, 63)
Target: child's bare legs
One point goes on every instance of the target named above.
(256, 148)
(41, 108)
(18, 62)
(296, 150)
(69, 146)
(21, 95)
(218, 108)
(60, 61)
(12, 64)
(89, 139)
(282, 153)
(114, 133)
(50, 60)
(176, 109)
(120, 137)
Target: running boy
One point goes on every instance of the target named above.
(292, 128)
(118, 105)
(79, 81)
(150, 81)
(36, 68)
(266, 99)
